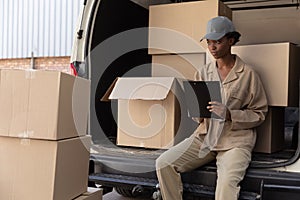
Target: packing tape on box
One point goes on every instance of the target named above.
(25, 141)
(26, 134)
(30, 73)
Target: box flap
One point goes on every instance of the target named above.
(146, 88)
(109, 90)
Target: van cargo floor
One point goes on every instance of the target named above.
(152, 154)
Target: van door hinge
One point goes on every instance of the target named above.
(79, 34)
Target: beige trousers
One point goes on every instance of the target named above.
(231, 168)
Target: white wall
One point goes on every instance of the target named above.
(44, 27)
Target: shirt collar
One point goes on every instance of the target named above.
(237, 68)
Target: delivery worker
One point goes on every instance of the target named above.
(228, 140)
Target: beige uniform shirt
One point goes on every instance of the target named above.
(243, 93)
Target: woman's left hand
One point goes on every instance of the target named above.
(219, 109)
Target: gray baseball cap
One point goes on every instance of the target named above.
(218, 27)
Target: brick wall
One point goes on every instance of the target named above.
(43, 63)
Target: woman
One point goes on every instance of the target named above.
(230, 140)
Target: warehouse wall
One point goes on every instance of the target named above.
(43, 27)
(43, 63)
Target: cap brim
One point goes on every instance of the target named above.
(213, 36)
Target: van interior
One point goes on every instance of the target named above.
(117, 47)
(113, 17)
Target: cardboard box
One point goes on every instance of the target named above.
(178, 27)
(259, 26)
(182, 66)
(91, 194)
(270, 134)
(41, 169)
(43, 104)
(148, 111)
(278, 67)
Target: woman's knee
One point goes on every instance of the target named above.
(162, 162)
(228, 179)
(159, 163)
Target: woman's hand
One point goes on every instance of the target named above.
(219, 109)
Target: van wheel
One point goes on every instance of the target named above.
(126, 192)
(136, 191)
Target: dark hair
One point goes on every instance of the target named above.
(235, 35)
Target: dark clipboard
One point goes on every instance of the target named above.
(198, 94)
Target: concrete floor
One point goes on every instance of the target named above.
(115, 196)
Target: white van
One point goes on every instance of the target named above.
(111, 41)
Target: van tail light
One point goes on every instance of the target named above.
(73, 69)
(78, 69)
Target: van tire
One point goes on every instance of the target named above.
(126, 192)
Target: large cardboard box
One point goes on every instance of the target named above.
(182, 66)
(178, 27)
(148, 111)
(41, 169)
(278, 67)
(270, 134)
(91, 194)
(43, 104)
(259, 26)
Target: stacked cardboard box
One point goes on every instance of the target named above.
(261, 26)
(44, 149)
(270, 134)
(278, 66)
(270, 38)
(276, 63)
(174, 34)
(43, 104)
(182, 66)
(178, 27)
